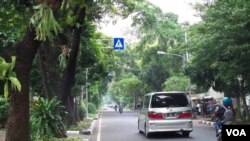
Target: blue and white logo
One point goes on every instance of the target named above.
(118, 43)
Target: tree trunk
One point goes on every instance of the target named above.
(243, 98)
(136, 100)
(69, 74)
(238, 102)
(43, 72)
(18, 118)
(80, 102)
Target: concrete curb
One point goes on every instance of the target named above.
(210, 123)
(91, 128)
(89, 131)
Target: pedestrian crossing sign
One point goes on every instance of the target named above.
(118, 43)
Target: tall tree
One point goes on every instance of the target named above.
(19, 101)
(40, 30)
(158, 31)
(221, 60)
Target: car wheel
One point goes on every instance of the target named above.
(147, 134)
(185, 134)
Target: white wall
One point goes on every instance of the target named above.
(215, 94)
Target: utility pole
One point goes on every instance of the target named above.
(187, 59)
(187, 55)
(81, 98)
(86, 91)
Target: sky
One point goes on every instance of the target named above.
(182, 8)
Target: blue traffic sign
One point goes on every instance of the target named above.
(119, 43)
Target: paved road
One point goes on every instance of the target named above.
(113, 126)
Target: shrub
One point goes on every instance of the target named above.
(46, 120)
(3, 111)
(81, 112)
(92, 108)
(81, 125)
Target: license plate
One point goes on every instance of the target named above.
(170, 115)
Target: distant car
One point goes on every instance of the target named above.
(165, 112)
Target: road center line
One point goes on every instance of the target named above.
(99, 129)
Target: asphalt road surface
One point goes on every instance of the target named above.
(113, 126)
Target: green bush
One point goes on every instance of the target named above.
(81, 125)
(46, 120)
(92, 108)
(3, 111)
(68, 139)
(82, 112)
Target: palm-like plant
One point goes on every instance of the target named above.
(8, 75)
(46, 119)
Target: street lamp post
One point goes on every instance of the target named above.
(162, 52)
(185, 59)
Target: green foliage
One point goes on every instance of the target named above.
(220, 46)
(13, 18)
(44, 22)
(157, 27)
(81, 111)
(63, 60)
(8, 75)
(46, 119)
(68, 139)
(177, 83)
(159, 31)
(3, 110)
(127, 89)
(92, 108)
(81, 125)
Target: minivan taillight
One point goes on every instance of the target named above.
(153, 115)
(187, 114)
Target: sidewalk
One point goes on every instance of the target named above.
(85, 133)
(2, 135)
(70, 133)
(207, 121)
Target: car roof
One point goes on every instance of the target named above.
(166, 92)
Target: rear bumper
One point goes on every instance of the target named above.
(170, 125)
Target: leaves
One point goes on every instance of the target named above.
(15, 83)
(6, 90)
(46, 118)
(13, 18)
(4, 105)
(44, 22)
(177, 83)
(220, 45)
(8, 75)
(3, 68)
(63, 60)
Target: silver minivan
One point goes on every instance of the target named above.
(165, 112)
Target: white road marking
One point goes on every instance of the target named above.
(99, 130)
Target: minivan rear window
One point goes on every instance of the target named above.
(169, 100)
